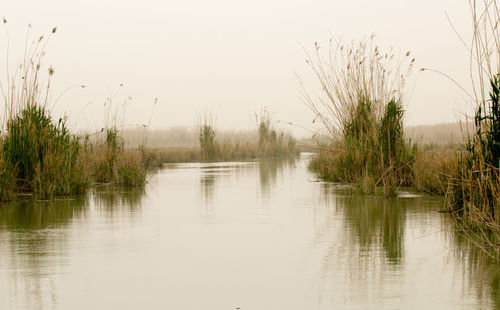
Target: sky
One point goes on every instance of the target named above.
(228, 58)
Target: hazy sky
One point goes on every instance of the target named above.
(229, 57)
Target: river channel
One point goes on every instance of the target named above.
(250, 235)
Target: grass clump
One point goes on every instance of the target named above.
(43, 154)
(269, 143)
(38, 155)
(206, 137)
(434, 165)
(272, 144)
(362, 109)
(473, 194)
(7, 180)
(111, 164)
(130, 172)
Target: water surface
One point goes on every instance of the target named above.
(253, 235)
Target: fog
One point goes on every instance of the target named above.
(231, 58)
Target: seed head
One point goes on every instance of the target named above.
(51, 71)
(54, 30)
(4, 20)
(407, 53)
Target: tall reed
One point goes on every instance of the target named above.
(271, 143)
(38, 155)
(474, 191)
(206, 137)
(37, 152)
(362, 108)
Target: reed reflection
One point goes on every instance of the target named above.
(207, 192)
(118, 201)
(377, 223)
(40, 214)
(215, 178)
(269, 170)
(207, 184)
(480, 268)
(34, 238)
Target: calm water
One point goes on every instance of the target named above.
(249, 235)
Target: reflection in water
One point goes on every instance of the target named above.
(207, 192)
(35, 241)
(274, 240)
(481, 270)
(366, 240)
(40, 215)
(377, 221)
(214, 178)
(113, 200)
(207, 182)
(269, 170)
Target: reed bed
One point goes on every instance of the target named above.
(270, 143)
(39, 156)
(363, 94)
(362, 108)
(473, 194)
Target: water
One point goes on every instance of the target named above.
(250, 235)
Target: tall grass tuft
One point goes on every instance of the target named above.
(271, 143)
(268, 143)
(474, 191)
(208, 145)
(362, 108)
(111, 164)
(39, 154)
(7, 180)
(44, 154)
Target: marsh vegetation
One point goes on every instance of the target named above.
(363, 107)
(41, 158)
